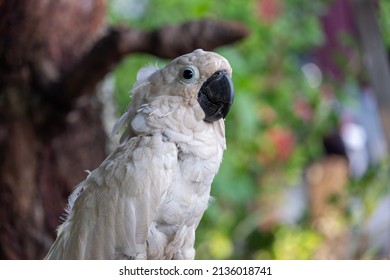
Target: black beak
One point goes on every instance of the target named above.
(216, 96)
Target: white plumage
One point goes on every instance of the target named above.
(147, 198)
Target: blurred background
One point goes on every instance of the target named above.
(306, 171)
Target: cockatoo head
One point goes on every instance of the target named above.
(208, 75)
(192, 90)
(202, 76)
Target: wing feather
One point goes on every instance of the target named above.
(111, 217)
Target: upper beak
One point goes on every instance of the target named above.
(216, 96)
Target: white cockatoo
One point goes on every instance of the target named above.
(147, 198)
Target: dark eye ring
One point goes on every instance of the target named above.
(189, 74)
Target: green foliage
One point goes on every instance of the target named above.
(295, 243)
(275, 127)
(384, 16)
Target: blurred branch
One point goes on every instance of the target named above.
(164, 42)
(375, 57)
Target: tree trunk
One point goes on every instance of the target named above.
(43, 148)
(52, 55)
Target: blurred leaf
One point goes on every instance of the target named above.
(295, 243)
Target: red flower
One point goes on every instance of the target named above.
(277, 145)
(269, 10)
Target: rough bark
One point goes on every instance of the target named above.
(52, 55)
(164, 42)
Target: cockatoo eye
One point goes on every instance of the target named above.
(189, 75)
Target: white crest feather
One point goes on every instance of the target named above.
(143, 75)
(146, 72)
(119, 124)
